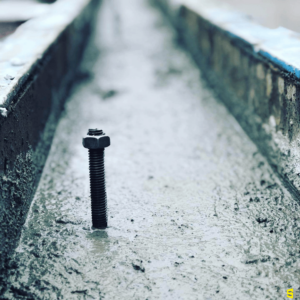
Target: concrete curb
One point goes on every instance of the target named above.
(37, 67)
(254, 70)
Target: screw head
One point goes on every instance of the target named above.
(96, 139)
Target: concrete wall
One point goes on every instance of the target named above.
(254, 70)
(31, 104)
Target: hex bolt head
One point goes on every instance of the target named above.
(96, 141)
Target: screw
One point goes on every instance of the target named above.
(96, 141)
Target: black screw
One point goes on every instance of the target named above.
(96, 141)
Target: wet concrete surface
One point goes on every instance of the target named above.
(195, 211)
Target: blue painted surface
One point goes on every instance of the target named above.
(281, 63)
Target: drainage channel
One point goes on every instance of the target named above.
(194, 210)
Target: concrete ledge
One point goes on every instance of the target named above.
(37, 67)
(255, 71)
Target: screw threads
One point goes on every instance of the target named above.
(98, 191)
(95, 132)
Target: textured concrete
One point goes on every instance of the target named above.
(195, 211)
(37, 68)
(27, 50)
(256, 76)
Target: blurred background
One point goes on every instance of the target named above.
(15, 12)
(271, 13)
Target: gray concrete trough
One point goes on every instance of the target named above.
(194, 210)
(37, 67)
(254, 70)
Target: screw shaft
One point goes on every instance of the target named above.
(98, 191)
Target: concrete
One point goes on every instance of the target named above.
(270, 13)
(21, 10)
(255, 76)
(38, 65)
(195, 211)
(23, 53)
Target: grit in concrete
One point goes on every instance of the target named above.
(195, 211)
